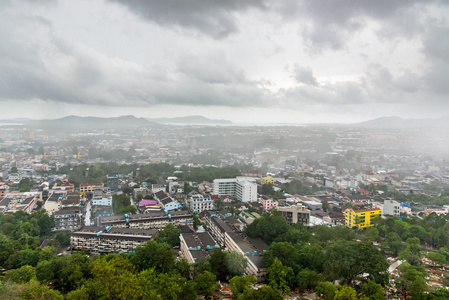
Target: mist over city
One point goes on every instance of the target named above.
(224, 149)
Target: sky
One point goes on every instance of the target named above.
(252, 61)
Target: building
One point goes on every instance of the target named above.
(267, 180)
(3, 189)
(242, 188)
(153, 219)
(112, 182)
(110, 239)
(167, 202)
(195, 246)
(26, 202)
(71, 200)
(198, 203)
(101, 196)
(53, 202)
(68, 218)
(391, 208)
(361, 218)
(268, 204)
(295, 213)
(89, 187)
(229, 239)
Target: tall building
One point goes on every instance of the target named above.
(361, 218)
(242, 188)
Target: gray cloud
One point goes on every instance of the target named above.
(36, 64)
(214, 18)
(330, 24)
(436, 49)
(303, 74)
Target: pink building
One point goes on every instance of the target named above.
(268, 204)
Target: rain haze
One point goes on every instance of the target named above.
(244, 61)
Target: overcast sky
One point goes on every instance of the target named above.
(246, 61)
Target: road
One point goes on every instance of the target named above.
(87, 216)
(132, 203)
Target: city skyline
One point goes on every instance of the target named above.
(251, 62)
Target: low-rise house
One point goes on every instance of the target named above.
(167, 202)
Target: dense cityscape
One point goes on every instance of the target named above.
(222, 211)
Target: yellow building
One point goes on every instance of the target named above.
(267, 180)
(361, 218)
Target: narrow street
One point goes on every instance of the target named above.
(87, 215)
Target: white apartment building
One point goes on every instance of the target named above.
(197, 203)
(242, 188)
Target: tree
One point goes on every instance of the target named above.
(196, 222)
(326, 289)
(218, 264)
(113, 279)
(373, 290)
(152, 254)
(128, 209)
(170, 235)
(63, 238)
(22, 275)
(120, 201)
(418, 287)
(206, 284)
(139, 197)
(7, 248)
(268, 227)
(44, 271)
(436, 257)
(236, 263)
(371, 234)
(278, 276)
(306, 279)
(346, 293)
(241, 285)
(35, 290)
(25, 185)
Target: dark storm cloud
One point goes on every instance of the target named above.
(330, 23)
(215, 18)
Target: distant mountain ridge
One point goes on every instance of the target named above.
(91, 122)
(189, 120)
(397, 122)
